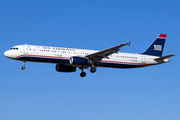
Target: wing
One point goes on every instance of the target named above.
(98, 56)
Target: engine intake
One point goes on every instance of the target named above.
(65, 68)
(76, 60)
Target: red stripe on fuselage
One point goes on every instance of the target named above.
(105, 61)
(27, 55)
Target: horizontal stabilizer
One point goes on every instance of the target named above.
(165, 57)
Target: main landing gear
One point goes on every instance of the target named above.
(23, 67)
(83, 74)
(92, 70)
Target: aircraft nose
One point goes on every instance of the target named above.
(7, 54)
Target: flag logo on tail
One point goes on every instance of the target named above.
(158, 47)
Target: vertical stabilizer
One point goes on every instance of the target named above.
(156, 48)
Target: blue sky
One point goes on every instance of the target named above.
(39, 92)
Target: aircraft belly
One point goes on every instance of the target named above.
(118, 65)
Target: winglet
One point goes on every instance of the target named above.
(128, 43)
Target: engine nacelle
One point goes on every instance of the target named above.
(65, 68)
(76, 60)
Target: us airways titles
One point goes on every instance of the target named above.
(57, 48)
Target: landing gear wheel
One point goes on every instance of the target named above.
(23, 67)
(83, 74)
(93, 69)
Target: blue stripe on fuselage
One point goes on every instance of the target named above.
(47, 60)
(66, 61)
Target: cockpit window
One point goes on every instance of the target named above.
(14, 48)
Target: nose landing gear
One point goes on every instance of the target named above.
(23, 67)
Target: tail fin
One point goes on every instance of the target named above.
(156, 48)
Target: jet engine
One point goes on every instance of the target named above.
(76, 60)
(65, 68)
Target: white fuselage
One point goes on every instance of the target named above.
(61, 55)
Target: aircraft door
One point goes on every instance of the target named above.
(25, 49)
(59, 53)
(143, 59)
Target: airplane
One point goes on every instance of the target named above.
(68, 59)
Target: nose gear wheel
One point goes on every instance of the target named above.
(23, 67)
